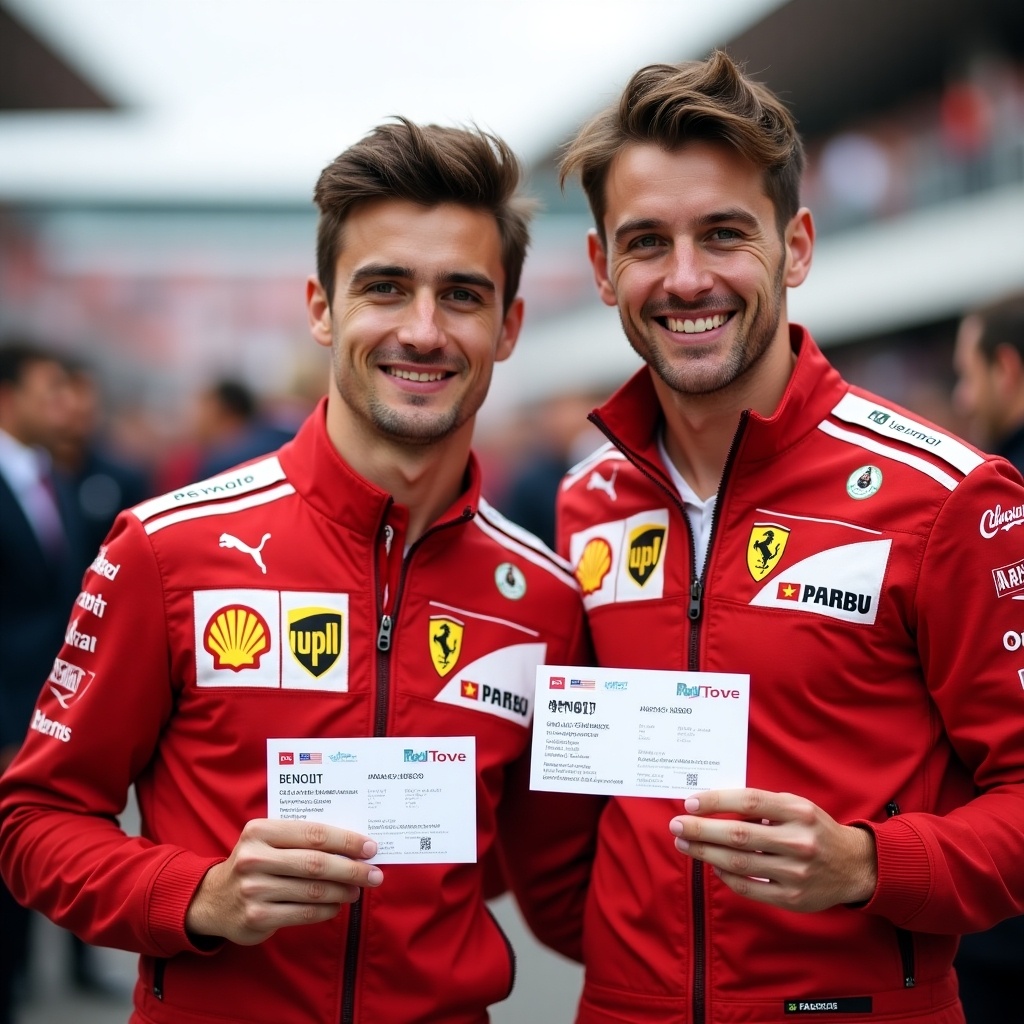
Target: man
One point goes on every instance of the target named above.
(188, 641)
(989, 362)
(39, 571)
(885, 812)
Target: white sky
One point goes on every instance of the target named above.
(249, 99)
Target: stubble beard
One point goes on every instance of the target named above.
(405, 427)
(688, 373)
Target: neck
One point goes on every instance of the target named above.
(424, 478)
(699, 429)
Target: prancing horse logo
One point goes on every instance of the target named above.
(228, 541)
(765, 547)
(445, 642)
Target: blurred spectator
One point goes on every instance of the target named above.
(102, 484)
(40, 568)
(562, 436)
(989, 362)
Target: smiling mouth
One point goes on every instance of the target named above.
(422, 376)
(700, 325)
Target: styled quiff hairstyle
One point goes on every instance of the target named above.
(429, 165)
(672, 104)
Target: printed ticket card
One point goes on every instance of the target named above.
(414, 795)
(637, 732)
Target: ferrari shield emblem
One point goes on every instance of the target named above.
(445, 643)
(765, 548)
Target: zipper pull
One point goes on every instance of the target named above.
(389, 536)
(384, 633)
(696, 593)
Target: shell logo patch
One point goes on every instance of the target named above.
(594, 564)
(765, 548)
(646, 545)
(237, 636)
(445, 639)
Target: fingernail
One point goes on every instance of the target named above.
(369, 848)
(682, 846)
(374, 876)
(692, 804)
(675, 826)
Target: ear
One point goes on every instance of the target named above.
(318, 309)
(510, 329)
(599, 262)
(799, 240)
(1009, 368)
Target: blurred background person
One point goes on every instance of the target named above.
(40, 568)
(101, 482)
(989, 363)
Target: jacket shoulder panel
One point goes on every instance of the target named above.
(514, 538)
(585, 469)
(244, 487)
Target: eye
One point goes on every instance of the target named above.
(725, 234)
(383, 288)
(462, 295)
(645, 242)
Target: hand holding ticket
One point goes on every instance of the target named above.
(414, 796)
(637, 732)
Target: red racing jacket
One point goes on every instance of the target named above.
(866, 570)
(275, 601)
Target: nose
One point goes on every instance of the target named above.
(421, 328)
(687, 273)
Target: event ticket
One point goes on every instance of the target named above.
(414, 795)
(637, 732)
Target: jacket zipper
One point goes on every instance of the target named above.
(904, 939)
(693, 612)
(159, 966)
(380, 721)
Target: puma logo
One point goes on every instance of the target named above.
(227, 541)
(598, 483)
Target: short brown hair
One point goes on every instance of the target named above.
(429, 165)
(1002, 323)
(671, 104)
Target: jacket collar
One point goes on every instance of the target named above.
(633, 419)
(330, 485)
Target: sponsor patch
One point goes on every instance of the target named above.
(849, 1004)
(765, 548)
(74, 637)
(864, 482)
(93, 603)
(225, 485)
(314, 638)
(51, 727)
(596, 482)
(1013, 640)
(995, 519)
(889, 423)
(500, 683)
(622, 560)
(271, 639)
(510, 581)
(1009, 579)
(842, 583)
(103, 567)
(445, 638)
(68, 682)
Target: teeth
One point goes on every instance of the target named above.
(412, 375)
(698, 326)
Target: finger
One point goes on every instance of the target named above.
(299, 890)
(311, 835)
(325, 867)
(735, 833)
(750, 803)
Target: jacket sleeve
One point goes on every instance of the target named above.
(963, 871)
(95, 729)
(547, 840)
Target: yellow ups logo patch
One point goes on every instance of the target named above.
(765, 548)
(314, 636)
(237, 636)
(646, 546)
(445, 639)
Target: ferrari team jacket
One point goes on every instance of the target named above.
(866, 569)
(276, 600)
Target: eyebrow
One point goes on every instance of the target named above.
(372, 270)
